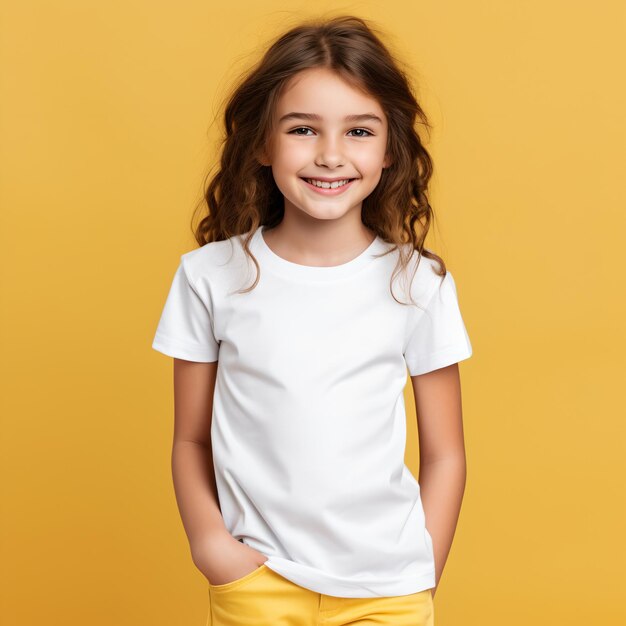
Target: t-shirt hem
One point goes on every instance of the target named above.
(439, 360)
(335, 586)
(180, 351)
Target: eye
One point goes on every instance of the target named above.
(293, 132)
(363, 130)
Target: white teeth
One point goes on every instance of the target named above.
(326, 185)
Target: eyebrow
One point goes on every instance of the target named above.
(362, 117)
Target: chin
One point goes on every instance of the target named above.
(328, 214)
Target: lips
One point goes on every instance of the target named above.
(329, 191)
(326, 180)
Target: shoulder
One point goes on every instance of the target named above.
(213, 258)
(423, 274)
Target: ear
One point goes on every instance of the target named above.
(388, 160)
(263, 158)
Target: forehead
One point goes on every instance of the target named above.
(321, 91)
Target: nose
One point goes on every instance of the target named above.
(329, 153)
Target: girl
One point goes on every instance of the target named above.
(289, 439)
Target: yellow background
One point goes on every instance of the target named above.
(107, 129)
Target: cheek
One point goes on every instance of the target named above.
(370, 165)
(290, 154)
(369, 159)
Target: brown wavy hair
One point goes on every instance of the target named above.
(242, 194)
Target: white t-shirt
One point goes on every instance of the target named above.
(309, 425)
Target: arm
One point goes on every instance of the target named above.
(442, 455)
(192, 459)
(216, 553)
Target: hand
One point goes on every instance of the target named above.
(223, 559)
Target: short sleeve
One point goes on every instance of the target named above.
(438, 337)
(185, 329)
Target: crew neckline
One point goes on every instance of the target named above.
(314, 272)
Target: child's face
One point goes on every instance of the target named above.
(328, 147)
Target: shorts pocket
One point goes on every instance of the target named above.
(426, 595)
(233, 584)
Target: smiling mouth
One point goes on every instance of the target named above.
(323, 184)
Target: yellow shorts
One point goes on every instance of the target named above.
(265, 598)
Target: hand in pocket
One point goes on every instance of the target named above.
(222, 559)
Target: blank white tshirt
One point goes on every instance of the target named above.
(309, 426)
